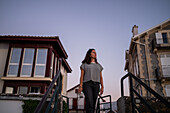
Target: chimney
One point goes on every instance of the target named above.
(135, 30)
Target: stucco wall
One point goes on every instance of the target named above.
(64, 80)
(3, 55)
(11, 106)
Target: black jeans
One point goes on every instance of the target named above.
(91, 90)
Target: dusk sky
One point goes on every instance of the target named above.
(105, 25)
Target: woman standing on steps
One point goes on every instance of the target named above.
(91, 79)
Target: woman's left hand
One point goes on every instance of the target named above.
(101, 90)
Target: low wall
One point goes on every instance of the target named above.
(11, 106)
(124, 105)
(13, 103)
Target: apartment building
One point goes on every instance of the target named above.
(148, 58)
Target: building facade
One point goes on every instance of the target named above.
(76, 101)
(29, 63)
(148, 58)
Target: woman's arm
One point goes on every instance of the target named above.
(81, 81)
(101, 82)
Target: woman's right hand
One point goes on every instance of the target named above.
(80, 90)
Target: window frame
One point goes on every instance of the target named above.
(167, 90)
(165, 39)
(24, 46)
(18, 89)
(14, 64)
(11, 88)
(160, 39)
(55, 65)
(45, 65)
(27, 63)
(35, 87)
(161, 56)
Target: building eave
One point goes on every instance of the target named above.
(138, 36)
(46, 39)
(155, 27)
(73, 88)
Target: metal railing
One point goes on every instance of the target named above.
(46, 95)
(101, 99)
(54, 99)
(133, 91)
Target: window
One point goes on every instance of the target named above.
(55, 66)
(161, 38)
(51, 67)
(27, 62)
(167, 90)
(165, 64)
(58, 67)
(41, 63)
(9, 90)
(22, 90)
(135, 67)
(164, 36)
(35, 90)
(14, 62)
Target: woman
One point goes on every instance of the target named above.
(91, 79)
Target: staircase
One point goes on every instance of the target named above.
(55, 103)
(135, 103)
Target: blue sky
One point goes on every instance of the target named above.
(82, 24)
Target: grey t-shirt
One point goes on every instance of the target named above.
(91, 71)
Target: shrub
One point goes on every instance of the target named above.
(29, 106)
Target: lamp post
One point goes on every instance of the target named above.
(147, 75)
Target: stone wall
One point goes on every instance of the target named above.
(124, 105)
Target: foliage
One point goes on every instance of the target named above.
(29, 106)
(65, 107)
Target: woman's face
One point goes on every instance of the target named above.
(93, 54)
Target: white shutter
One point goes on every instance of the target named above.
(166, 71)
(9, 90)
(167, 89)
(159, 39)
(23, 90)
(165, 62)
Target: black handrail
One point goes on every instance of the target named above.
(102, 98)
(159, 97)
(55, 95)
(43, 100)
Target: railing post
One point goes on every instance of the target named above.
(98, 105)
(67, 105)
(110, 103)
(122, 88)
(131, 93)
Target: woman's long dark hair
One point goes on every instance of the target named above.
(87, 58)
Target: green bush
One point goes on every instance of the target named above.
(65, 107)
(29, 106)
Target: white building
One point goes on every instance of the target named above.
(76, 101)
(28, 66)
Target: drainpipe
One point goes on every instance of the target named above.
(147, 75)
